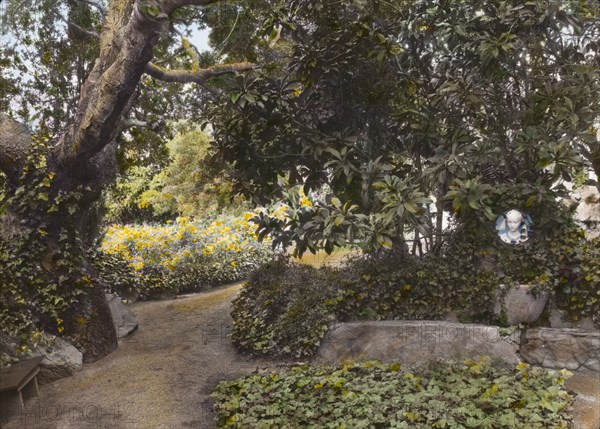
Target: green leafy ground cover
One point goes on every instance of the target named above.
(374, 395)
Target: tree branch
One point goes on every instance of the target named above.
(185, 76)
(168, 6)
(130, 32)
(277, 36)
(132, 122)
(83, 31)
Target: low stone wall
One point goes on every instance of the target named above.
(417, 342)
(561, 348)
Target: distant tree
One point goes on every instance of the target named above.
(189, 185)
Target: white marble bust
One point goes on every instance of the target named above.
(513, 227)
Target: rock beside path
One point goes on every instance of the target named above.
(61, 359)
(123, 318)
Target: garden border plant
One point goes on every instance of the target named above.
(183, 256)
(466, 281)
(375, 395)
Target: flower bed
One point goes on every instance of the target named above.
(187, 255)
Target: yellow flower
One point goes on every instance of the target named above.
(521, 365)
(305, 202)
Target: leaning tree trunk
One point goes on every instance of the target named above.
(51, 242)
(78, 164)
(81, 161)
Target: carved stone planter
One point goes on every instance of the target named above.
(519, 305)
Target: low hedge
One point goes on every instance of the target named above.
(428, 288)
(285, 308)
(577, 283)
(373, 395)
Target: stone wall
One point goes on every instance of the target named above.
(416, 342)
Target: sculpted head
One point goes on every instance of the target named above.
(513, 220)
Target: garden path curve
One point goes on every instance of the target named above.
(159, 377)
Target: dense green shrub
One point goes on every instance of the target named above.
(285, 309)
(577, 283)
(374, 395)
(428, 288)
(282, 310)
(268, 316)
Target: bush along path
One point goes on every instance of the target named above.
(159, 377)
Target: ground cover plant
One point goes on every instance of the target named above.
(370, 394)
(186, 255)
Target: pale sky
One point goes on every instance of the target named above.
(199, 39)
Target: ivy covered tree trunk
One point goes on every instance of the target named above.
(52, 186)
(48, 283)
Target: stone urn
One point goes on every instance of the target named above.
(519, 304)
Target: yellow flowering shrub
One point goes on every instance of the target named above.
(188, 255)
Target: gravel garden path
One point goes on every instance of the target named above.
(159, 377)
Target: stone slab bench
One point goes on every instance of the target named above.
(19, 375)
(417, 342)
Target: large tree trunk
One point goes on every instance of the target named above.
(88, 321)
(81, 161)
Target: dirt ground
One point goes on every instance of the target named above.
(159, 377)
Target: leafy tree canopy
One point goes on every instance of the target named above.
(479, 104)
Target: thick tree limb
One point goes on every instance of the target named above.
(131, 122)
(130, 32)
(15, 142)
(185, 76)
(125, 49)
